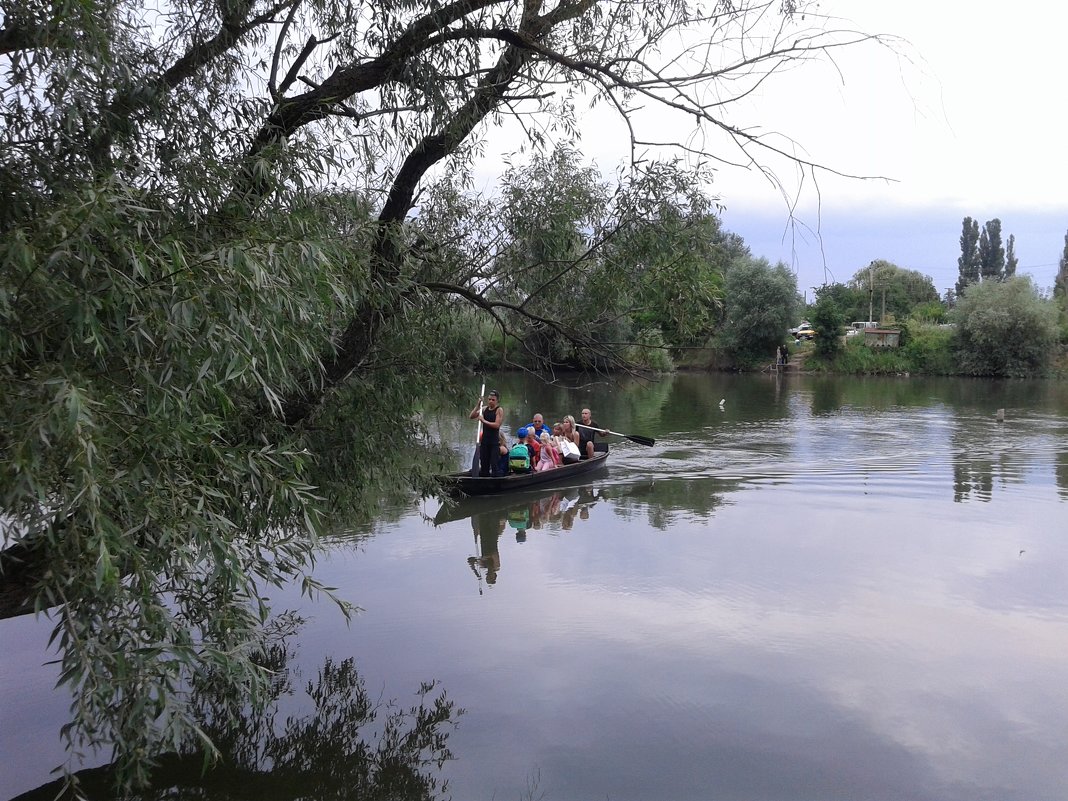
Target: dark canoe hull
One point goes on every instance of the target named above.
(459, 484)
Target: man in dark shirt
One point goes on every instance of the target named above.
(586, 435)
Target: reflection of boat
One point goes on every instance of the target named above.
(501, 505)
(464, 484)
(552, 510)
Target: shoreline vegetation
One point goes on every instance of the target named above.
(927, 350)
(243, 242)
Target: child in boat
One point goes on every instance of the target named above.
(548, 457)
(502, 455)
(521, 455)
(532, 442)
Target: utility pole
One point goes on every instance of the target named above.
(871, 288)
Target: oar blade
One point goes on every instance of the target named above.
(646, 441)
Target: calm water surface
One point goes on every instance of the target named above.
(822, 589)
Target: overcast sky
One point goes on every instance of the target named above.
(971, 121)
(964, 117)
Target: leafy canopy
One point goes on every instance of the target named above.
(218, 313)
(760, 305)
(1005, 329)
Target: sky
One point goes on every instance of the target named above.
(967, 122)
(962, 115)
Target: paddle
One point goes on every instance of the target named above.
(647, 441)
(478, 433)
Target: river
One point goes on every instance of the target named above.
(808, 588)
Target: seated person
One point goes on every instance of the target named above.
(521, 455)
(539, 427)
(534, 444)
(501, 468)
(566, 445)
(588, 431)
(548, 456)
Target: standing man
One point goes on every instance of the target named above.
(586, 436)
(488, 447)
(539, 427)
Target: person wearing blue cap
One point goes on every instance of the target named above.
(521, 455)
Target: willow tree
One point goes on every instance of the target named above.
(215, 287)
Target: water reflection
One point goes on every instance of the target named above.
(827, 588)
(1062, 474)
(346, 744)
(493, 517)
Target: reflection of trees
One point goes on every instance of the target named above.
(826, 395)
(972, 475)
(346, 746)
(694, 401)
(1062, 474)
(664, 502)
(977, 460)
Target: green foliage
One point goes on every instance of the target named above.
(991, 252)
(1005, 329)
(219, 315)
(930, 349)
(894, 291)
(651, 352)
(758, 308)
(851, 299)
(1011, 262)
(968, 261)
(930, 312)
(1060, 290)
(349, 744)
(142, 364)
(857, 358)
(573, 270)
(827, 319)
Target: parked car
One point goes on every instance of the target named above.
(803, 324)
(807, 332)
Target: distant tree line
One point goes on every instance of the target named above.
(1000, 324)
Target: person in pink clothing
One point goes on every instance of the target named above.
(550, 457)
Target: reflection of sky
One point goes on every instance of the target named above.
(723, 623)
(791, 646)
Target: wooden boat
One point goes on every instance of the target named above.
(460, 484)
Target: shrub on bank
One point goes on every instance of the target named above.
(926, 349)
(930, 349)
(857, 358)
(1005, 329)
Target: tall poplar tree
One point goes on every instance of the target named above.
(991, 252)
(1010, 257)
(968, 263)
(1060, 284)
